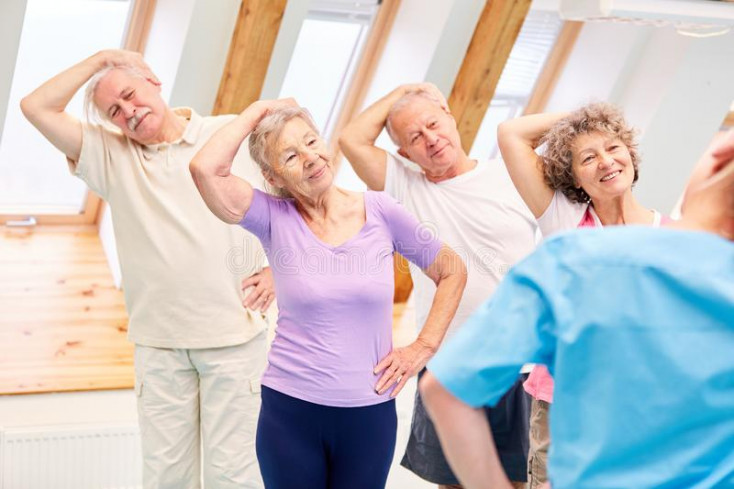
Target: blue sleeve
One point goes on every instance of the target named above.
(410, 238)
(258, 217)
(516, 326)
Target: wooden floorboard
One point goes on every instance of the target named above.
(63, 324)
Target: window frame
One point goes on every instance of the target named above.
(137, 28)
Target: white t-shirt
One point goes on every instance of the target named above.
(182, 267)
(564, 215)
(479, 214)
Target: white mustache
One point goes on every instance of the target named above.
(132, 123)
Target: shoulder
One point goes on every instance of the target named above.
(404, 168)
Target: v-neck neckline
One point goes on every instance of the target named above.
(323, 243)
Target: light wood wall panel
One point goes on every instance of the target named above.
(493, 39)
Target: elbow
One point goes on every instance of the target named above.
(345, 141)
(459, 272)
(504, 132)
(196, 168)
(27, 106)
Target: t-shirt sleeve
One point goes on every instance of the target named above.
(516, 326)
(397, 177)
(410, 238)
(561, 215)
(95, 165)
(258, 217)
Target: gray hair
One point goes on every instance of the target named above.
(91, 111)
(267, 132)
(403, 102)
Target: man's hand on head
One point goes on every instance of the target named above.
(123, 57)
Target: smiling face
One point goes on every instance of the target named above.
(602, 165)
(133, 104)
(300, 161)
(428, 136)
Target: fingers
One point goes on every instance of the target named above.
(390, 377)
(251, 281)
(259, 299)
(395, 369)
(385, 362)
(268, 302)
(399, 387)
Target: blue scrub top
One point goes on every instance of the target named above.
(637, 327)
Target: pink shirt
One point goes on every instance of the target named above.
(540, 383)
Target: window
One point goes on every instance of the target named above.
(34, 178)
(527, 58)
(328, 49)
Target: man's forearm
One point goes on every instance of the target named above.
(465, 437)
(55, 94)
(367, 126)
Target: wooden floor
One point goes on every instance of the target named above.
(63, 324)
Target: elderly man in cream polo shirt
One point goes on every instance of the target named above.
(199, 341)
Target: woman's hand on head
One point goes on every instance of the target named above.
(265, 107)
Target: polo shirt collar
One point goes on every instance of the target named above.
(189, 136)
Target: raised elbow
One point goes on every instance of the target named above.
(28, 107)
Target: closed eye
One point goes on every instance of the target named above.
(129, 95)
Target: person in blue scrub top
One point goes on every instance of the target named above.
(652, 308)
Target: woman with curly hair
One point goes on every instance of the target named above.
(583, 178)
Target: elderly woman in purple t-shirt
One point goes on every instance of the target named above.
(328, 414)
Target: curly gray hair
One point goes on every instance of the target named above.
(558, 154)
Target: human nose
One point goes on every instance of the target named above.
(310, 157)
(128, 109)
(605, 160)
(431, 137)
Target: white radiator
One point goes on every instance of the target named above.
(71, 457)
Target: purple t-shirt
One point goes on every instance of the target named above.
(334, 302)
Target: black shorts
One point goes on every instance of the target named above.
(509, 420)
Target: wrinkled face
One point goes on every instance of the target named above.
(133, 104)
(428, 136)
(301, 161)
(602, 165)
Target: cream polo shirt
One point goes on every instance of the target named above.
(182, 267)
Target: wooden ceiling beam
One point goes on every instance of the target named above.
(258, 23)
(493, 39)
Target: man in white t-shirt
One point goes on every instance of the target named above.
(474, 208)
(199, 353)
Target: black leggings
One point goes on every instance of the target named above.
(302, 445)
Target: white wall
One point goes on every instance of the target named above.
(68, 408)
